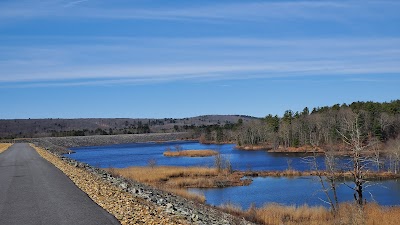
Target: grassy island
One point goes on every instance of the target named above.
(191, 153)
(177, 179)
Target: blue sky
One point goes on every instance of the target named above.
(156, 59)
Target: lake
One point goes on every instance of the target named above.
(139, 154)
(288, 191)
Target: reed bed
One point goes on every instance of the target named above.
(170, 178)
(154, 175)
(348, 213)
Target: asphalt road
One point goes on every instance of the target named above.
(33, 191)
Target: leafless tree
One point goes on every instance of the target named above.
(376, 154)
(357, 144)
(394, 155)
(222, 163)
(178, 148)
(328, 178)
(218, 162)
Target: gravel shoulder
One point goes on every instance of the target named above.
(4, 146)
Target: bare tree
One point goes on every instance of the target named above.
(328, 178)
(218, 162)
(376, 154)
(358, 144)
(222, 164)
(178, 148)
(394, 155)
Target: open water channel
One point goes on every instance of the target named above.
(288, 191)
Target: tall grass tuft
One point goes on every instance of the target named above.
(349, 213)
(169, 178)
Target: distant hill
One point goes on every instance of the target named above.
(27, 128)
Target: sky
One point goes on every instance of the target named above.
(162, 59)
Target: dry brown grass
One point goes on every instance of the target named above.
(182, 177)
(155, 175)
(191, 153)
(382, 215)
(178, 179)
(4, 146)
(186, 194)
(271, 214)
(169, 178)
(277, 214)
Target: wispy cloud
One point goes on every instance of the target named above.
(207, 11)
(120, 60)
(126, 74)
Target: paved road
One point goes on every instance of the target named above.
(33, 191)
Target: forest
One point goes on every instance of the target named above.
(317, 127)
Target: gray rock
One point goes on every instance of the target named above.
(160, 201)
(170, 206)
(123, 185)
(195, 217)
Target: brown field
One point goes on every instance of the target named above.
(4, 146)
(191, 153)
(177, 179)
(348, 213)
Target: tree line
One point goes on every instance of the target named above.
(316, 127)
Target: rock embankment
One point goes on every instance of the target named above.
(132, 202)
(61, 144)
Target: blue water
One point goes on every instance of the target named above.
(139, 154)
(296, 191)
(288, 191)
